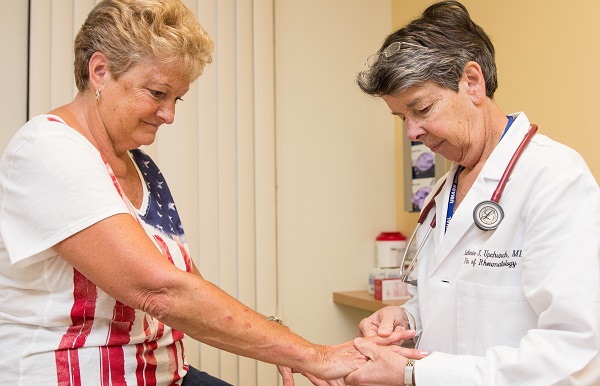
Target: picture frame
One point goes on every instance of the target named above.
(422, 168)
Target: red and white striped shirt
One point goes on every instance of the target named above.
(56, 326)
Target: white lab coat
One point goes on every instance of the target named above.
(519, 305)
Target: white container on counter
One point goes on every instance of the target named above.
(389, 249)
(381, 273)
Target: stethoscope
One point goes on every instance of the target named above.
(487, 215)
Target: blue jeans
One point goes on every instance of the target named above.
(195, 377)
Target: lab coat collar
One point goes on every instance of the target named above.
(501, 155)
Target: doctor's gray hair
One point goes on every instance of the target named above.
(434, 47)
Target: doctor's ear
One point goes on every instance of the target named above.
(97, 69)
(473, 75)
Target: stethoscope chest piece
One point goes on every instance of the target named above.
(487, 215)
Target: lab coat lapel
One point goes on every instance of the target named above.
(482, 189)
(446, 241)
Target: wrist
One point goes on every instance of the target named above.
(317, 360)
(309, 357)
(409, 373)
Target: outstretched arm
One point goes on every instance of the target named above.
(186, 302)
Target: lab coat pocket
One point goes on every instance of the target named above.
(490, 316)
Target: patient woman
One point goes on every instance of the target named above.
(96, 282)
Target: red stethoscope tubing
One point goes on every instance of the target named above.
(428, 207)
(511, 164)
(503, 180)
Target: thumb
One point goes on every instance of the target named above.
(365, 347)
(397, 336)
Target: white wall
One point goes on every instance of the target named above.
(335, 160)
(13, 67)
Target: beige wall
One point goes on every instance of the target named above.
(548, 57)
(335, 161)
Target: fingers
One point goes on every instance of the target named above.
(382, 322)
(365, 347)
(369, 326)
(314, 380)
(319, 382)
(388, 323)
(396, 337)
(288, 381)
(286, 375)
(383, 367)
(412, 353)
(369, 348)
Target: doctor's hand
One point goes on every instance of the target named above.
(385, 366)
(392, 341)
(383, 322)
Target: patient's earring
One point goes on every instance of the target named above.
(97, 96)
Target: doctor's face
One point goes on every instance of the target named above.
(438, 117)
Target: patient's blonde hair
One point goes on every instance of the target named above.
(128, 32)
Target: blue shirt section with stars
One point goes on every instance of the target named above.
(161, 212)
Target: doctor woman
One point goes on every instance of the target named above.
(507, 293)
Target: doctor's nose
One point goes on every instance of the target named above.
(413, 129)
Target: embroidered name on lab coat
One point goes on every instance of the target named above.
(489, 258)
